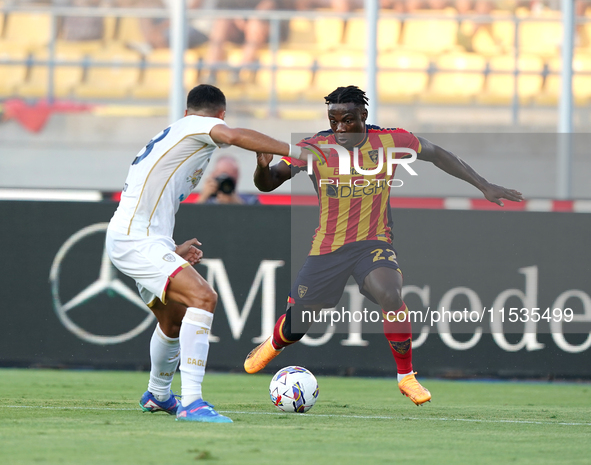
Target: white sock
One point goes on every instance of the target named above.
(402, 375)
(194, 348)
(164, 355)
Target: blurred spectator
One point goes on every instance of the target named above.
(80, 28)
(156, 31)
(463, 7)
(220, 184)
(393, 5)
(341, 6)
(469, 29)
(437, 4)
(252, 33)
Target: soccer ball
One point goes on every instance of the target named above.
(293, 389)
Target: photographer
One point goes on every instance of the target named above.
(220, 185)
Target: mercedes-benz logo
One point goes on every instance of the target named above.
(107, 281)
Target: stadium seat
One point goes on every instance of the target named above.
(402, 85)
(503, 30)
(89, 47)
(499, 88)
(325, 81)
(11, 75)
(484, 43)
(387, 36)
(461, 83)
(542, 38)
(129, 31)
(301, 34)
(83, 47)
(290, 84)
(113, 80)
(429, 35)
(110, 28)
(28, 30)
(155, 83)
(65, 77)
(328, 32)
(581, 83)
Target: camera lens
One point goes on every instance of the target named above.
(226, 184)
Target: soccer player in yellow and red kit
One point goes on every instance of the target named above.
(354, 237)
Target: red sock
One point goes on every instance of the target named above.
(278, 340)
(399, 336)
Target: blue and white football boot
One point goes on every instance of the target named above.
(200, 411)
(148, 403)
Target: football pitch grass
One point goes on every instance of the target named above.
(93, 417)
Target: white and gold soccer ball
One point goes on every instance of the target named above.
(293, 389)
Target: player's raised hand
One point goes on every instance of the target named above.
(494, 194)
(189, 251)
(264, 159)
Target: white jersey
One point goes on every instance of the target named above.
(162, 175)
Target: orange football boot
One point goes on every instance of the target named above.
(411, 388)
(260, 356)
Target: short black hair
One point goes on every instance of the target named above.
(206, 97)
(349, 94)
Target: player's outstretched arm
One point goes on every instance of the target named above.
(268, 178)
(457, 167)
(248, 139)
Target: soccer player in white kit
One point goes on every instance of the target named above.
(140, 244)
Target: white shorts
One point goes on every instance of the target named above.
(151, 261)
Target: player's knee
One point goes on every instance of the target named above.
(208, 298)
(391, 299)
(171, 329)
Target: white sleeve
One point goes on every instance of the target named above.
(205, 125)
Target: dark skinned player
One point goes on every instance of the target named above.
(354, 237)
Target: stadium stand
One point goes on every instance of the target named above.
(11, 75)
(503, 30)
(542, 38)
(420, 49)
(290, 83)
(128, 31)
(28, 31)
(301, 35)
(429, 35)
(64, 79)
(409, 80)
(581, 82)
(351, 71)
(459, 77)
(155, 83)
(328, 33)
(115, 78)
(387, 36)
(499, 88)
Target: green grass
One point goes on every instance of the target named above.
(92, 417)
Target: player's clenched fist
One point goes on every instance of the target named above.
(263, 159)
(188, 250)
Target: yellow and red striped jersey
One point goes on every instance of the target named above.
(354, 207)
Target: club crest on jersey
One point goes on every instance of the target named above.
(332, 191)
(169, 258)
(302, 290)
(195, 177)
(373, 155)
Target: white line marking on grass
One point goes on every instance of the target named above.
(376, 417)
(320, 415)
